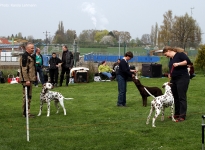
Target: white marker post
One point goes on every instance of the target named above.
(27, 117)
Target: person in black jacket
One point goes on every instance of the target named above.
(179, 79)
(54, 63)
(67, 64)
(123, 74)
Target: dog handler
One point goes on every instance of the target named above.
(27, 75)
(179, 79)
(123, 74)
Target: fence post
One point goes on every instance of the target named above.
(203, 125)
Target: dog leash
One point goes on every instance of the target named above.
(171, 72)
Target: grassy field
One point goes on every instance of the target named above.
(93, 120)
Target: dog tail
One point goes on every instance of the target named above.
(149, 92)
(67, 98)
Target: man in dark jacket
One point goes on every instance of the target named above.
(67, 64)
(54, 63)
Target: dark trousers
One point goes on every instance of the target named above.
(29, 94)
(63, 71)
(122, 89)
(53, 76)
(40, 71)
(179, 90)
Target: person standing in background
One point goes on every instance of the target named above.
(67, 64)
(54, 63)
(39, 65)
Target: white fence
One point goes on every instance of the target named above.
(7, 56)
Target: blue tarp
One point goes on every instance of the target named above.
(141, 59)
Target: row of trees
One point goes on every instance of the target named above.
(182, 31)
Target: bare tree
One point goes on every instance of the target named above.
(165, 29)
(124, 37)
(185, 30)
(152, 35)
(30, 38)
(146, 39)
(181, 31)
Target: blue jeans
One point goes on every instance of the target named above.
(122, 89)
(40, 72)
(108, 74)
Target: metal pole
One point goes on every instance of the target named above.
(203, 125)
(119, 47)
(124, 47)
(75, 49)
(27, 117)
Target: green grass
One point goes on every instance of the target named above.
(93, 120)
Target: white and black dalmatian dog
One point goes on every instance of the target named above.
(160, 102)
(47, 96)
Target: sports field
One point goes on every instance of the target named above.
(93, 120)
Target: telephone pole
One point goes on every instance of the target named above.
(46, 33)
(191, 10)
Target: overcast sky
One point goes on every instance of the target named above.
(135, 16)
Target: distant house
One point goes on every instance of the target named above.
(4, 41)
(6, 46)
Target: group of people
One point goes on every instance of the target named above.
(178, 74)
(31, 63)
(54, 63)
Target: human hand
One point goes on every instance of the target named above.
(28, 83)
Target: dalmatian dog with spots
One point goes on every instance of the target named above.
(47, 96)
(160, 102)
